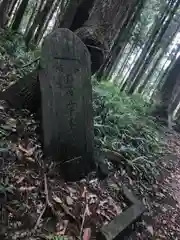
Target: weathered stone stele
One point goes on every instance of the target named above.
(66, 97)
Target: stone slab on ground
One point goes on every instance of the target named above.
(121, 224)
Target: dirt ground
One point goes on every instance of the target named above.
(35, 202)
(162, 221)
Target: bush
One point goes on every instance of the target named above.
(13, 51)
(123, 124)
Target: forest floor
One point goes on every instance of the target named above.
(35, 203)
(162, 220)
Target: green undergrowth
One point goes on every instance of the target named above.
(14, 53)
(123, 124)
(57, 238)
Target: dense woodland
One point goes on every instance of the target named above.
(130, 77)
(133, 44)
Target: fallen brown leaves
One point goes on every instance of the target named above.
(42, 203)
(42, 200)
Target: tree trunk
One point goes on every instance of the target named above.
(168, 90)
(101, 29)
(82, 14)
(33, 14)
(39, 19)
(4, 7)
(121, 41)
(19, 15)
(159, 56)
(65, 19)
(152, 46)
(60, 11)
(11, 7)
(43, 26)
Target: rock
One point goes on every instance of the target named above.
(66, 97)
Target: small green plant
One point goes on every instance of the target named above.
(14, 52)
(5, 187)
(53, 237)
(123, 124)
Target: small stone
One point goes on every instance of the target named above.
(69, 200)
(150, 230)
(164, 222)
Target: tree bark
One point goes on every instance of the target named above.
(158, 59)
(101, 29)
(32, 16)
(4, 7)
(66, 18)
(60, 11)
(169, 90)
(43, 26)
(121, 40)
(82, 14)
(19, 15)
(11, 7)
(39, 19)
(152, 46)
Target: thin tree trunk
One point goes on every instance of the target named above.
(42, 28)
(156, 62)
(12, 10)
(39, 19)
(152, 33)
(19, 15)
(4, 7)
(131, 50)
(61, 11)
(168, 89)
(121, 41)
(126, 80)
(152, 47)
(162, 76)
(33, 14)
(11, 7)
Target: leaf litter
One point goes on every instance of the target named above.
(35, 204)
(41, 203)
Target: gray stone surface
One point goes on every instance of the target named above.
(65, 82)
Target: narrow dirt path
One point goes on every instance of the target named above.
(162, 221)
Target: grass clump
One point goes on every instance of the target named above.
(14, 53)
(53, 237)
(123, 124)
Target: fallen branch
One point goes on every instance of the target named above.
(40, 217)
(33, 61)
(48, 203)
(100, 49)
(83, 220)
(86, 210)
